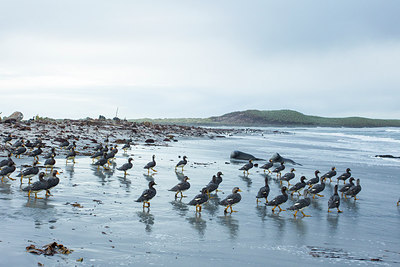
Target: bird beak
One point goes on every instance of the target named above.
(239, 190)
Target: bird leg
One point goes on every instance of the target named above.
(232, 209)
(280, 208)
(21, 178)
(273, 209)
(10, 177)
(176, 195)
(320, 195)
(36, 197)
(338, 210)
(153, 170)
(304, 215)
(226, 209)
(355, 197)
(257, 201)
(329, 210)
(266, 200)
(182, 194)
(295, 214)
(29, 194)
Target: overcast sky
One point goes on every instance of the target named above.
(77, 59)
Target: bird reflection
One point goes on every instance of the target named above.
(231, 224)
(5, 188)
(180, 176)
(212, 205)
(247, 180)
(261, 211)
(70, 169)
(180, 207)
(149, 177)
(198, 224)
(333, 220)
(301, 227)
(125, 182)
(147, 218)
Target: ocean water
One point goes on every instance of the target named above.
(111, 229)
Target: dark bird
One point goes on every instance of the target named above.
(127, 166)
(353, 191)
(71, 155)
(150, 166)
(218, 179)
(267, 166)
(329, 174)
(199, 199)
(298, 186)
(29, 145)
(314, 180)
(97, 155)
(98, 147)
(51, 153)
(181, 163)
(29, 172)
(347, 186)
(110, 155)
(334, 200)
(126, 147)
(19, 151)
(231, 199)
(64, 144)
(4, 162)
(18, 143)
(247, 167)
(264, 191)
(52, 182)
(279, 169)
(279, 200)
(317, 188)
(37, 186)
(301, 204)
(8, 138)
(147, 195)
(288, 176)
(35, 153)
(49, 163)
(102, 161)
(344, 176)
(181, 187)
(212, 186)
(71, 146)
(6, 171)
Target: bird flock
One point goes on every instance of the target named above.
(103, 156)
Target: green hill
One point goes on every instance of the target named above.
(278, 118)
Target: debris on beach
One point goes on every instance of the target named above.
(49, 249)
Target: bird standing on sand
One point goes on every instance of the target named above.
(212, 186)
(347, 186)
(344, 176)
(334, 200)
(353, 191)
(147, 195)
(6, 171)
(231, 199)
(71, 156)
(4, 162)
(127, 166)
(279, 200)
(318, 188)
(35, 153)
(49, 163)
(199, 199)
(298, 186)
(181, 163)
(314, 180)
(52, 152)
(102, 161)
(301, 204)
(288, 176)
(52, 182)
(267, 166)
(37, 186)
(263, 192)
(329, 174)
(247, 167)
(181, 187)
(150, 166)
(218, 179)
(19, 151)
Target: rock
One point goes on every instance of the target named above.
(16, 116)
(387, 156)
(166, 140)
(150, 141)
(102, 118)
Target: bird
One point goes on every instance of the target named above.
(150, 166)
(317, 188)
(37, 186)
(231, 199)
(298, 186)
(279, 200)
(288, 176)
(147, 195)
(247, 167)
(52, 182)
(29, 145)
(97, 155)
(267, 166)
(279, 169)
(52, 152)
(102, 161)
(181, 187)
(18, 143)
(29, 172)
(314, 180)
(199, 199)
(347, 186)
(264, 191)
(8, 138)
(71, 146)
(19, 151)
(329, 174)
(98, 147)
(212, 186)
(181, 163)
(398, 202)
(64, 144)
(4, 162)
(6, 171)
(344, 176)
(35, 153)
(334, 200)
(218, 179)
(71, 155)
(126, 147)
(353, 191)
(301, 204)
(127, 166)
(49, 163)
(110, 155)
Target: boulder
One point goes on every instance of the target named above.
(16, 116)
